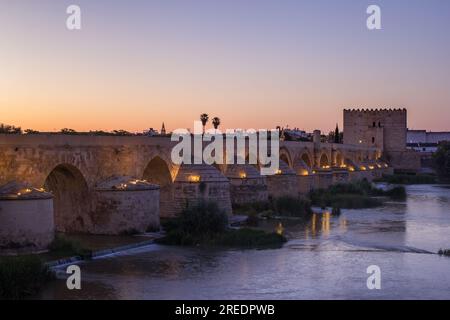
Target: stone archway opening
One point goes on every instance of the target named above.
(71, 201)
(324, 163)
(285, 159)
(157, 172)
(307, 160)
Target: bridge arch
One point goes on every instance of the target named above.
(286, 156)
(71, 202)
(157, 172)
(307, 159)
(324, 161)
(339, 161)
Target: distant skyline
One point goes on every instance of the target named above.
(254, 64)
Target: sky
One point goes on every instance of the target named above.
(253, 63)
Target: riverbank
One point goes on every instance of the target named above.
(24, 275)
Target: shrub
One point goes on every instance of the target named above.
(22, 276)
(354, 195)
(206, 224)
(204, 218)
(196, 224)
(444, 252)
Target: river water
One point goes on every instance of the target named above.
(326, 258)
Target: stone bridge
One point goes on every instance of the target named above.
(116, 184)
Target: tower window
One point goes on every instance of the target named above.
(373, 139)
(374, 125)
(379, 124)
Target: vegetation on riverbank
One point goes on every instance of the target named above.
(206, 224)
(444, 252)
(356, 195)
(442, 161)
(284, 206)
(22, 276)
(409, 179)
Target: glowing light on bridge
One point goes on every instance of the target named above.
(304, 172)
(194, 178)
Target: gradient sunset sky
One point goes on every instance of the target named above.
(253, 63)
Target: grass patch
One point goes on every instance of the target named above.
(409, 179)
(64, 247)
(354, 195)
(22, 276)
(206, 224)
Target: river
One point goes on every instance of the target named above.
(326, 258)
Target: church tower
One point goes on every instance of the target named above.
(163, 130)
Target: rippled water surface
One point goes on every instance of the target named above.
(326, 258)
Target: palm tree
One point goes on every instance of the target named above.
(204, 119)
(216, 122)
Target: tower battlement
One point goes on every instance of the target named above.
(377, 111)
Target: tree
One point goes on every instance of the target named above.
(121, 132)
(31, 131)
(336, 135)
(442, 160)
(204, 119)
(216, 122)
(4, 128)
(68, 131)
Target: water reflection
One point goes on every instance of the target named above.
(326, 258)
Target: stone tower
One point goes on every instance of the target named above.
(381, 128)
(385, 129)
(163, 130)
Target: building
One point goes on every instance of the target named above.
(385, 129)
(295, 134)
(151, 132)
(425, 141)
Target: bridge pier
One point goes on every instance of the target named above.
(26, 219)
(323, 179)
(125, 205)
(247, 185)
(283, 183)
(198, 182)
